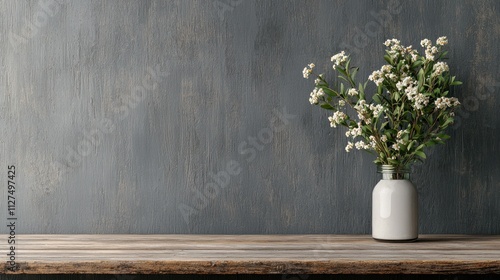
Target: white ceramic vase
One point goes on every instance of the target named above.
(394, 206)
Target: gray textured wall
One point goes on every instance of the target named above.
(117, 115)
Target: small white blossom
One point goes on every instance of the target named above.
(355, 131)
(361, 145)
(439, 68)
(316, 94)
(352, 92)
(395, 146)
(442, 41)
(377, 77)
(411, 92)
(376, 109)
(341, 103)
(420, 101)
(414, 55)
(430, 52)
(400, 133)
(393, 77)
(349, 146)
(443, 102)
(373, 142)
(308, 70)
(383, 138)
(406, 82)
(337, 118)
(386, 68)
(338, 59)
(425, 43)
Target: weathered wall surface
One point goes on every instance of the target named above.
(193, 116)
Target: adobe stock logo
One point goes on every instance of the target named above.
(248, 149)
(46, 9)
(381, 20)
(223, 6)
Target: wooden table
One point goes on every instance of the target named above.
(252, 254)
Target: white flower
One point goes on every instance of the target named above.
(414, 55)
(386, 68)
(443, 102)
(341, 103)
(361, 145)
(376, 109)
(425, 43)
(352, 92)
(442, 41)
(393, 77)
(337, 118)
(395, 146)
(420, 101)
(377, 77)
(355, 131)
(439, 68)
(306, 72)
(349, 146)
(430, 52)
(316, 94)
(411, 92)
(338, 59)
(321, 92)
(313, 100)
(383, 138)
(406, 82)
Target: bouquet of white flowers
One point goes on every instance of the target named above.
(409, 111)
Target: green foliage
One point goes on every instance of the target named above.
(409, 111)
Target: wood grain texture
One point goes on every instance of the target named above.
(254, 254)
(229, 71)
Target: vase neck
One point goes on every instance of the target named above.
(391, 172)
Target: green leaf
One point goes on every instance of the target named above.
(410, 145)
(396, 96)
(330, 92)
(430, 119)
(354, 72)
(444, 136)
(388, 59)
(420, 154)
(361, 92)
(392, 161)
(447, 122)
(417, 64)
(341, 71)
(326, 106)
(343, 78)
(421, 77)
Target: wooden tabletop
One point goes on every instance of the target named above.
(252, 254)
